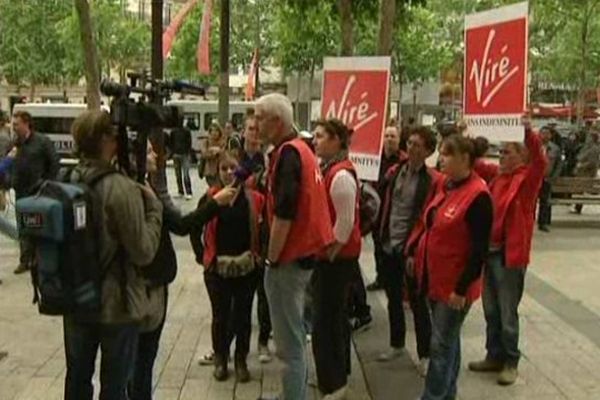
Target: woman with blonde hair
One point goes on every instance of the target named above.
(210, 154)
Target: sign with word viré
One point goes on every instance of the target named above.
(495, 74)
(355, 91)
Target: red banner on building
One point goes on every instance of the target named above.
(355, 90)
(203, 50)
(495, 76)
(171, 31)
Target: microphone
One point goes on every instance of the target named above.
(243, 172)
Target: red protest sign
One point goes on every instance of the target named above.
(355, 91)
(495, 75)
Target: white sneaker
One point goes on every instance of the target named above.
(392, 354)
(264, 355)
(207, 359)
(188, 197)
(339, 394)
(308, 338)
(423, 366)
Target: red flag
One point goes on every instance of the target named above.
(203, 51)
(171, 31)
(250, 85)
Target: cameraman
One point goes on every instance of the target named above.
(129, 236)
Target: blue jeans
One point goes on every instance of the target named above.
(286, 290)
(502, 293)
(117, 344)
(444, 362)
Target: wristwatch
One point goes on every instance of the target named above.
(271, 264)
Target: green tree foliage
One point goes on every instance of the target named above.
(304, 36)
(30, 49)
(421, 49)
(123, 41)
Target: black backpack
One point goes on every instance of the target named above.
(63, 220)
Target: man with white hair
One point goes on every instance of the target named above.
(299, 228)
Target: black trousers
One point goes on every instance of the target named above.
(140, 387)
(545, 208)
(358, 306)
(231, 302)
(182, 173)
(331, 330)
(393, 283)
(378, 253)
(262, 309)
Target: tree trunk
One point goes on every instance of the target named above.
(157, 135)
(345, 10)
(31, 92)
(224, 64)
(583, 71)
(585, 34)
(310, 85)
(92, 74)
(387, 17)
(400, 87)
(297, 108)
(414, 105)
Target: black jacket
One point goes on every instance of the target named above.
(36, 160)
(163, 268)
(181, 141)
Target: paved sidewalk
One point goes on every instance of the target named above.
(560, 333)
(560, 325)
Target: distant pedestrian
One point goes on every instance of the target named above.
(554, 155)
(210, 153)
(181, 145)
(36, 160)
(588, 162)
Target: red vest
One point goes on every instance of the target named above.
(444, 247)
(311, 228)
(351, 249)
(256, 201)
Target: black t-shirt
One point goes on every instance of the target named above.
(286, 183)
(233, 228)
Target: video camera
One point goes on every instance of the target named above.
(145, 115)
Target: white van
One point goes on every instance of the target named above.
(199, 114)
(54, 120)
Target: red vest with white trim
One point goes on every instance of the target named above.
(352, 247)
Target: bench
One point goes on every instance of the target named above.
(569, 190)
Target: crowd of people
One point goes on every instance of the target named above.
(283, 219)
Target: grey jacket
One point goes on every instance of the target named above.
(130, 236)
(554, 160)
(588, 160)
